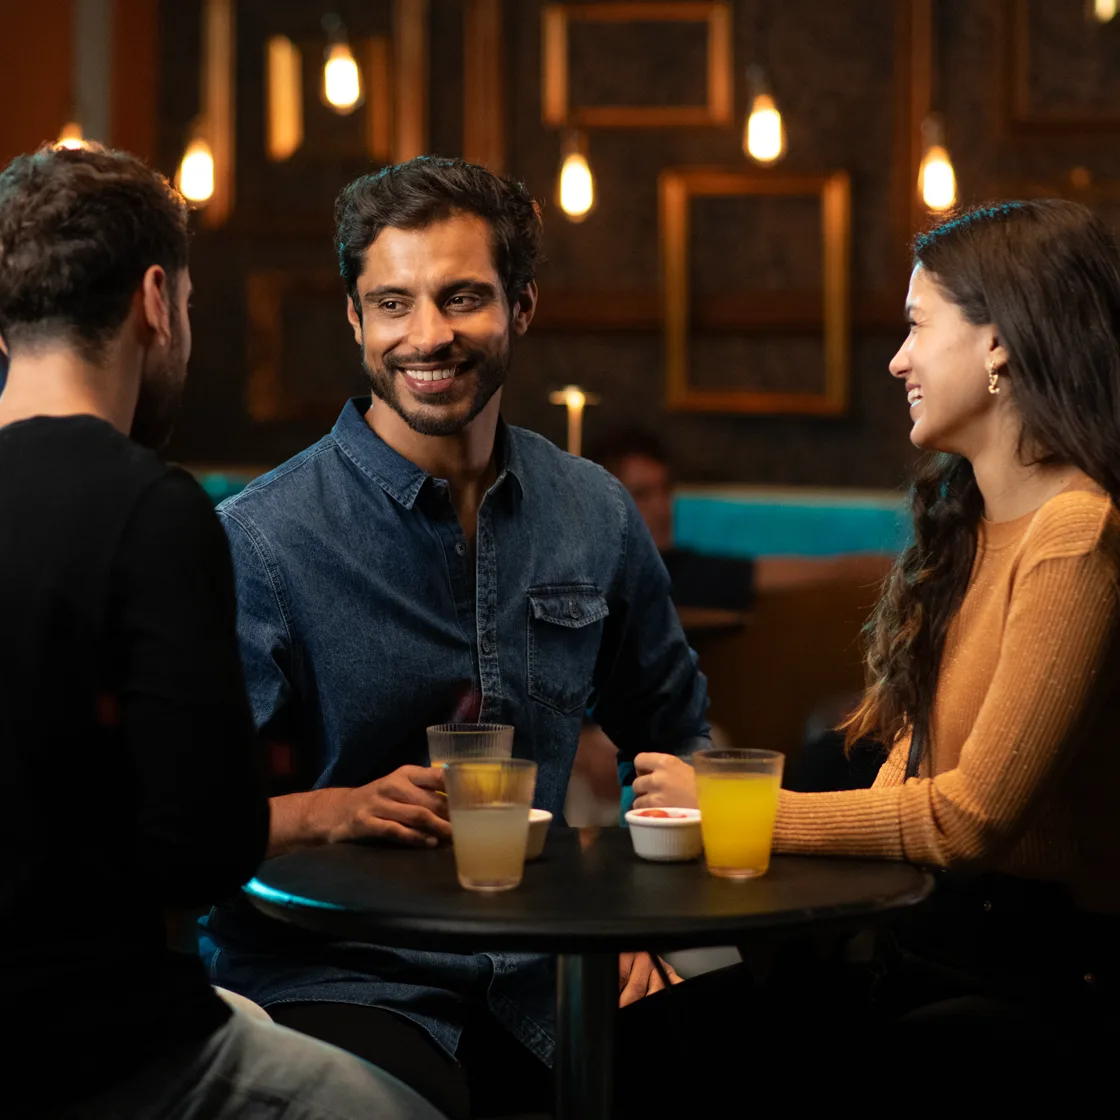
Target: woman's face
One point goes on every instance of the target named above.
(943, 364)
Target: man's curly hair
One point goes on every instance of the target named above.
(78, 230)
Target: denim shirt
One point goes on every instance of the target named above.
(362, 621)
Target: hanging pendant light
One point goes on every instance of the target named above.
(937, 181)
(764, 134)
(71, 136)
(342, 79)
(195, 177)
(576, 186)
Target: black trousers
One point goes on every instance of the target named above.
(802, 1023)
(669, 1050)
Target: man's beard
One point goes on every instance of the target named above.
(490, 371)
(161, 393)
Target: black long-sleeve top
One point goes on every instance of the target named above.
(127, 777)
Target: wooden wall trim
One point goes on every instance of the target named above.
(134, 90)
(410, 41)
(218, 105)
(484, 126)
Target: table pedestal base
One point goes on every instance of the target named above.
(586, 1005)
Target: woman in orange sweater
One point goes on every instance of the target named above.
(993, 659)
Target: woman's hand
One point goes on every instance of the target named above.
(664, 779)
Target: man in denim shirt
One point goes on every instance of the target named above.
(422, 563)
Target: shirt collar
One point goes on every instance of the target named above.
(399, 477)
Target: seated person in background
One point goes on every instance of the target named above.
(129, 786)
(426, 562)
(994, 657)
(639, 460)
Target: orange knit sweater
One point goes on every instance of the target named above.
(1022, 774)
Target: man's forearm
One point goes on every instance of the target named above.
(304, 820)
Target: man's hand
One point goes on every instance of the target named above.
(664, 779)
(406, 806)
(638, 977)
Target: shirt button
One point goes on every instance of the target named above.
(486, 644)
(573, 610)
(460, 549)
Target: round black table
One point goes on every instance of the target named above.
(587, 898)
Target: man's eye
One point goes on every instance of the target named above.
(389, 304)
(465, 300)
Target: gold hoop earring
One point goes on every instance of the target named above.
(993, 376)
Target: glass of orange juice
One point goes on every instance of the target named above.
(738, 793)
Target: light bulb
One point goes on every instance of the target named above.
(196, 172)
(574, 398)
(71, 136)
(764, 138)
(342, 82)
(577, 186)
(1104, 10)
(936, 179)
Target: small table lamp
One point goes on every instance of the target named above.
(575, 399)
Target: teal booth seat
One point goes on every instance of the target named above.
(220, 485)
(748, 521)
(752, 521)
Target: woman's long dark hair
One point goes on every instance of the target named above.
(1046, 273)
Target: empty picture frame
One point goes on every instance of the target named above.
(677, 187)
(556, 108)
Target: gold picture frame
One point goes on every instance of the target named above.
(556, 107)
(676, 188)
(1019, 116)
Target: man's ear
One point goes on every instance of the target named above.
(524, 308)
(155, 301)
(355, 320)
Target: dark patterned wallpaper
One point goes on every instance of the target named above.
(834, 70)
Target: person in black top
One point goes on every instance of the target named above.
(127, 779)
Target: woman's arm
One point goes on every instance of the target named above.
(1057, 659)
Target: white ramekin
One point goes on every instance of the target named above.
(666, 838)
(539, 820)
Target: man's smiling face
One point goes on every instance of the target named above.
(435, 325)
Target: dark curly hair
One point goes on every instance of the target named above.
(428, 189)
(78, 230)
(1047, 274)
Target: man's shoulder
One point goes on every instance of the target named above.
(279, 495)
(547, 465)
(81, 460)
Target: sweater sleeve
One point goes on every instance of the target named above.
(1053, 666)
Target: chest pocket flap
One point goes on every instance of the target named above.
(565, 629)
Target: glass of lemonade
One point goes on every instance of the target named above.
(450, 741)
(738, 794)
(489, 802)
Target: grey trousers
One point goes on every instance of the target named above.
(255, 1070)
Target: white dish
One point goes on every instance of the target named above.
(539, 820)
(666, 839)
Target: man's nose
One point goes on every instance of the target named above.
(428, 328)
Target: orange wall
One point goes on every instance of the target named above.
(35, 61)
(133, 104)
(35, 40)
